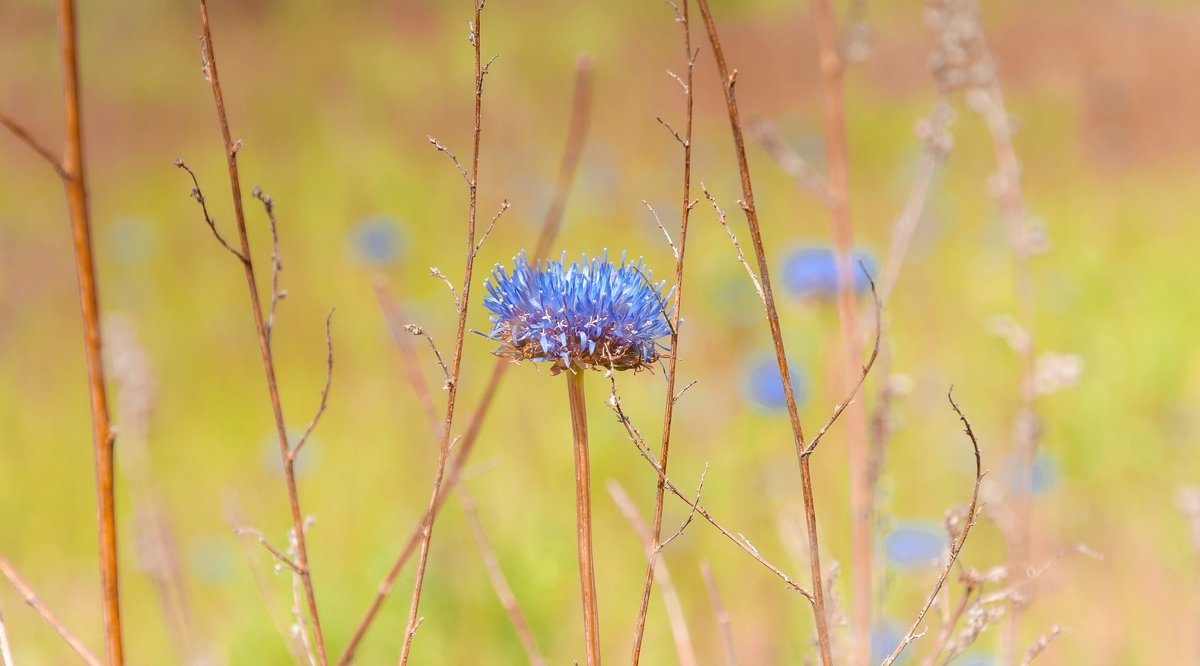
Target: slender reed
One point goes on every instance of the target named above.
(724, 621)
(576, 139)
(686, 204)
(71, 171)
(287, 452)
(728, 80)
(30, 597)
(456, 365)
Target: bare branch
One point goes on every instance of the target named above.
(737, 247)
(659, 224)
(295, 450)
(453, 158)
(436, 272)
(276, 262)
(504, 205)
(417, 330)
(724, 621)
(38, 147)
(691, 514)
(956, 543)
(198, 195)
(275, 552)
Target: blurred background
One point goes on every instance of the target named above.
(334, 101)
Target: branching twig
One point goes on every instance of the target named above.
(653, 545)
(31, 598)
(728, 80)
(576, 137)
(285, 450)
(724, 621)
(275, 552)
(504, 205)
(36, 146)
(956, 543)
(418, 331)
(276, 262)
(741, 256)
(198, 195)
(456, 365)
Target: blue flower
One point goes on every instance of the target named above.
(376, 241)
(915, 545)
(812, 271)
(587, 314)
(764, 385)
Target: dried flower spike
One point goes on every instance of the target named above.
(587, 314)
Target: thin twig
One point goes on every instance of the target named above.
(500, 583)
(268, 361)
(436, 272)
(728, 80)
(504, 205)
(38, 147)
(453, 158)
(654, 545)
(31, 598)
(395, 320)
(576, 139)
(691, 514)
(675, 615)
(956, 543)
(614, 403)
(460, 337)
(275, 552)
(312, 424)
(276, 262)
(198, 195)
(413, 329)
(724, 621)
(741, 256)
(943, 635)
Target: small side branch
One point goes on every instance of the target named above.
(36, 146)
(276, 262)
(51, 619)
(198, 195)
(295, 450)
(262, 540)
(504, 205)
(417, 330)
(741, 256)
(956, 544)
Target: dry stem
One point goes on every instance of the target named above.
(682, 17)
(576, 138)
(956, 544)
(724, 621)
(456, 365)
(286, 453)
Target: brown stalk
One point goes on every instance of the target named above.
(675, 614)
(724, 621)
(583, 515)
(576, 138)
(460, 337)
(72, 173)
(837, 160)
(682, 16)
(286, 453)
(30, 597)
(956, 544)
(728, 80)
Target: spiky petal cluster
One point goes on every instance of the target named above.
(586, 314)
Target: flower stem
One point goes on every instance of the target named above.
(583, 515)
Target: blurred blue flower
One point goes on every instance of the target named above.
(812, 272)
(764, 385)
(885, 636)
(586, 314)
(376, 241)
(1042, 478)
(915, 545)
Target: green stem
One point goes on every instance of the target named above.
(583, 515)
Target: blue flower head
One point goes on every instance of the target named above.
(812, 272)
(587, 314)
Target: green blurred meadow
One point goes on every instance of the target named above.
(334, 102)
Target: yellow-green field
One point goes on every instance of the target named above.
(334, 102)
